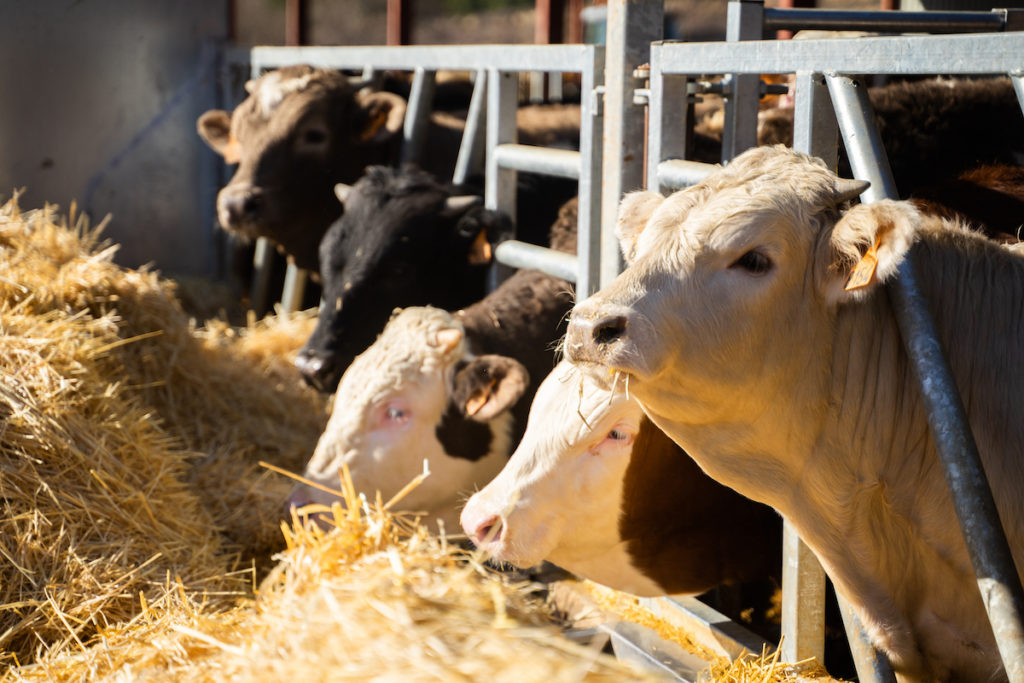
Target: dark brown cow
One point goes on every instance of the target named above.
(300, 131)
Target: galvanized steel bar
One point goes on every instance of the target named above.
(803, 578)
(667, 112)
(896, 55)
(1018, 86)
(417, 115)
(500, 183)
(882, 21)
(471, 149)
(525, 255)
(676, 173)
(262, 263)
(745, 21)
(868, 159)
(295, 279)
(409, 57)
(632, 26)
(872, 666)
(563, 163)
(588, 232)
(803, 600)
(979, 519)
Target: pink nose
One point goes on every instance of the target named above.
(481, 527)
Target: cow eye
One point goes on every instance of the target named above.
(314, 137)
(753, 262)
(619, 435)
(396, 414)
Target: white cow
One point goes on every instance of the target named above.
(597, 489)
(744, 337)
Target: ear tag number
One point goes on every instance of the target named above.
(864, 272)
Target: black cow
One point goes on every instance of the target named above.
(404, 239)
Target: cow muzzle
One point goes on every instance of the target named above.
(240, 208)
(320, 370)
(597, 331)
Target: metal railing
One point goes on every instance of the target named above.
(489, 137)
(822, 68)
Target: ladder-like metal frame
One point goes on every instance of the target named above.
(488, 139)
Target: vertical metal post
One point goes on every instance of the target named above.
(803, 579)
(294, 287)
(667, 112)
(417, 116)
(471, 150)
(872, 666)
(745, 21)
(1017, 78)
(588, 233)
(632, 26)
(261, 263)
(296, 24)
(979, 520)
(500, 183)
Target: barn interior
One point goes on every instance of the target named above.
(153, 422)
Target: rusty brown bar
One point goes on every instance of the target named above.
(295, 24)
(399, 22)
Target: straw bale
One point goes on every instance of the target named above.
(129, 437)
(376, 598)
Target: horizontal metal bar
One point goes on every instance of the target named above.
(799, 19)
(707, 626)
(978, 53)
(523, 255)
(564, 58)
(677, 173)
(563, 163)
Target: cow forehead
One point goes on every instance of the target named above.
(573, 405)
(405, 353)
(740, 203)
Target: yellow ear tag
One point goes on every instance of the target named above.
(475, 403)
(374, 126)
(233, 151)
(480, 252)
(864, 271)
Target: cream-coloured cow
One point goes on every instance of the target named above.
(744, 336)
(597, 489)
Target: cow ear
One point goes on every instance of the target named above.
(380, 115)
(635, 210)
(866, 247)
(489, 385)
(214, 128)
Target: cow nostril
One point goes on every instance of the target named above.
(489, 531)
(251, 205)
(609, 329)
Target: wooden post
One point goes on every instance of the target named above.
(295, 22)
(399, 22)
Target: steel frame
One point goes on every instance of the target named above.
(823, 68)
(490, 133)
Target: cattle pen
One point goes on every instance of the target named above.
(198, 428)
(634, 94)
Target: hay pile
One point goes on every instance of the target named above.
(377, 598)
(134, 504)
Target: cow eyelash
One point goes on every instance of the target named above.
(617, 435)
(754, 262)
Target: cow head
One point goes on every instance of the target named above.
(597, 489)
(404, 240)
(300, 131)
(418, 394)
(733, 284)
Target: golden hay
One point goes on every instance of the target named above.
(128, 438)
(134, 500)
(377, 598)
